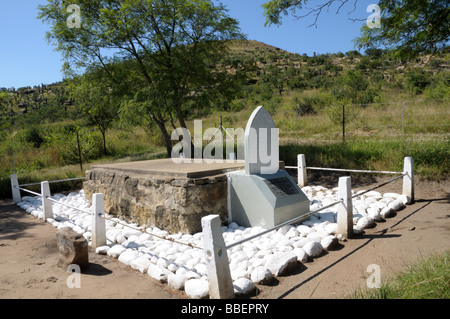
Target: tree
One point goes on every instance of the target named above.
(95, 100)
(165, 54)
(408, 28)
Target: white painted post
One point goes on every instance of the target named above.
(408, 179)
(46, 203)
(15, 190)
(98, 222)
(301, 170)
(220, 282)
(345, 209)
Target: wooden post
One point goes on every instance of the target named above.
(15, 190)
(98, 222)
(220, 282)
(345, 209)
(408, 179)
(302, 178)
(46, 203)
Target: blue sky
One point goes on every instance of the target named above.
(26, 59)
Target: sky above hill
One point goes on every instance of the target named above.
(26, 59)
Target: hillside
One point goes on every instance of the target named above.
(384, 101)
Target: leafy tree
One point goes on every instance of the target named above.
(418, 80)
(159, 52)
(408, 28)
(95, 100)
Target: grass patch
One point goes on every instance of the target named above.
(425, 279)
(431, 158)
(64, 172)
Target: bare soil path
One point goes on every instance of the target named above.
(28, 254)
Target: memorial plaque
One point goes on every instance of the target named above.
(281, 187)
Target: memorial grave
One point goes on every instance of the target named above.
(175, 196)
(263, 194)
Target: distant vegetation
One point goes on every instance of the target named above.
(305, 95)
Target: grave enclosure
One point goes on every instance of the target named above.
(175, 197)
(199, 197)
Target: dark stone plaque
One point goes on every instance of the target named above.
(281, 186)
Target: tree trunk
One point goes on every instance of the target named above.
(104, 141)
(166, 137)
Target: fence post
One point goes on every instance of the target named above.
(220, 282)
(46, 203)
(15, 190)
(98, 222)
(408, 179)
(345, 209)
(302, 178)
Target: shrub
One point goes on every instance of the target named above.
(418, 80)
(34, 136)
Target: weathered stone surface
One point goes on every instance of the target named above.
(73, 249)
(174, 204)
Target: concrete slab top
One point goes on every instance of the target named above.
(166, 167)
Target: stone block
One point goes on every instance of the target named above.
(73, 249)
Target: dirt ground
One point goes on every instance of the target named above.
(28, 254)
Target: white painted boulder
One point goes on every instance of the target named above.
(281, 263)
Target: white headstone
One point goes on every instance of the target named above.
(263, 195)
(261, 143)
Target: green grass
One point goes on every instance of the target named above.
(431, 158)
(65, 172)
(427, 278)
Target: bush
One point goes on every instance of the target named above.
(34, 136)
(418, 80)
(438, 92)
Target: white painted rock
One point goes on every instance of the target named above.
(120, 239)
(141, 263)
(196, 288)
(404, 199)
(386, 212)
(158, 273)
(301, 254)
(176, 281)
(261, 275)
(374, 213)
(396, 205)
(331, 228)
(128, 256)
(364, 222)
(115, 251)
(329, 242)
(243, 286)
(102, 250)
(281, 263)
(127, 232)
(313, 249)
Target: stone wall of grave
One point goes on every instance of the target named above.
(172, 204)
